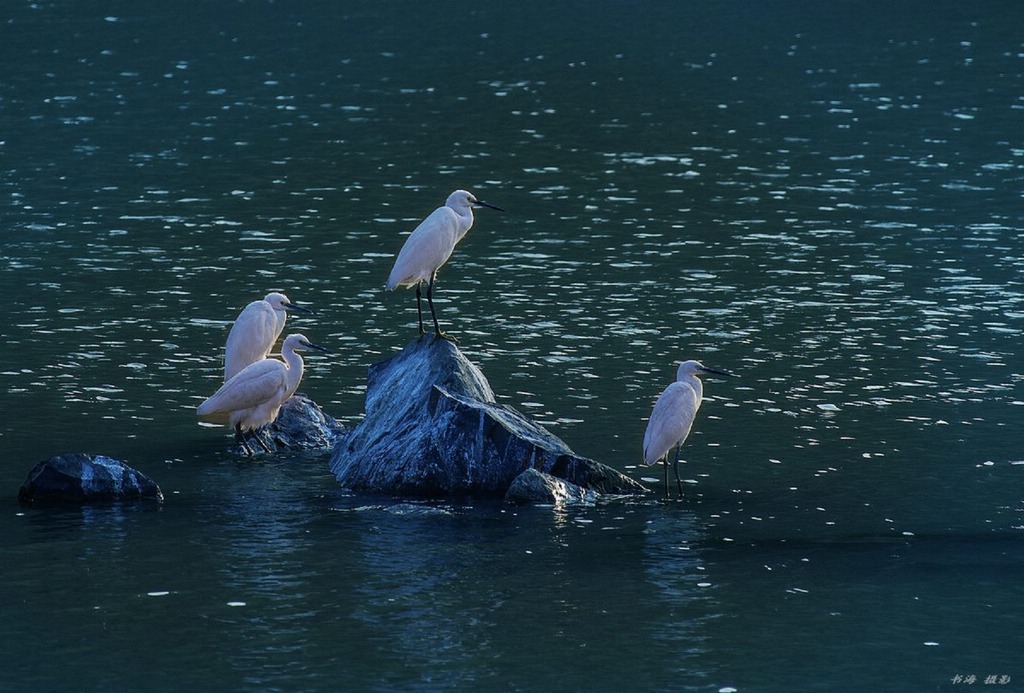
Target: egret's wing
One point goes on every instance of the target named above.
(428, 247)
(250, 338)
(670, 420)
(256, 384)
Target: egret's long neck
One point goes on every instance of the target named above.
(698, 387)
(465, 222)
(294, 363)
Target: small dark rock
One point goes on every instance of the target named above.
(80, 478)
(300, 425)
(593, 475)
(303, 425)
(537, 487)
(434, 429)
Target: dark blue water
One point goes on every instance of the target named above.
(825, 199)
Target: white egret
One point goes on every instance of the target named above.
(430, 245)
(255, 331)
(673, 415)
(253, 397)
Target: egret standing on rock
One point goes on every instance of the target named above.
(673, 415)
(430, 245)
(255, 331)
(253, 397)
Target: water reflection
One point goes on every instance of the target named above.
(258, 576)
(437, 599)
(66, 524)
(420, 598)
(682, 591)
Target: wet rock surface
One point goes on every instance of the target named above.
(303, 425)
(534, 487)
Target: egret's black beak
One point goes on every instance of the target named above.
(481, 203)
(310, 345)
(292, 306)
(717, 372)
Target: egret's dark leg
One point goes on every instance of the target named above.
(433, 314)
(665, 459)
(419, 308)
(679, 484)
(254, 434)
(430, 301)
(240, 439)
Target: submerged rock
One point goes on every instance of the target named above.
(81, 478)
(537, 487)
(434, 429)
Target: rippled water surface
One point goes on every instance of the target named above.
(825, 200)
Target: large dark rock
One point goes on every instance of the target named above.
(434, 429)
(80, 478)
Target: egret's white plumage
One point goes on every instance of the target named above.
(673, 415)
(253, 397)
(430, 245)
(255, 331)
